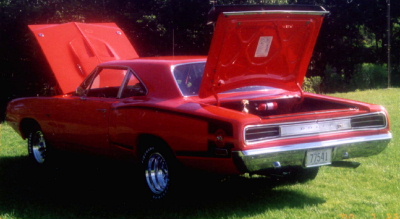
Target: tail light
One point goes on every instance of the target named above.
(221, 132)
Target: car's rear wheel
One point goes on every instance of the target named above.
(38, 148)
(159, 169)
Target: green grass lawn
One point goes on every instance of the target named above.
(370, 191)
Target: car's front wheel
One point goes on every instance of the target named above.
(159, 168)
(37, 147)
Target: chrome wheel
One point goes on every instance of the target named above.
(156, 173)
(38, 147)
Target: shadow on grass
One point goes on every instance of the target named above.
(89, 189)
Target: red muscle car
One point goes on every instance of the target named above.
(239, 110)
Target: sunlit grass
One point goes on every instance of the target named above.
(370, 191)
(11, 144)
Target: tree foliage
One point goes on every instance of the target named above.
(354, 33)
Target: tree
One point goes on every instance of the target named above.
(355, 32)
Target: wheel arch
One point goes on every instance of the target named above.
(146, 140)
(27, 125)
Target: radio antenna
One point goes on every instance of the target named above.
(173, 41)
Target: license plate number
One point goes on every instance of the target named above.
(318, 157)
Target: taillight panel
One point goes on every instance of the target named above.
(259, 133)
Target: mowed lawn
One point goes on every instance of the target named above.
(86, 189)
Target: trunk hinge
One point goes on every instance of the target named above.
(301, 92)
(216, 97)
(215, 94)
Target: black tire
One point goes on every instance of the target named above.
(159, 168)
(38, 148)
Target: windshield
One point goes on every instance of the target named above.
(189, 76)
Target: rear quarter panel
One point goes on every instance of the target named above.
(186, 127)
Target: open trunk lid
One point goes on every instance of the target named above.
(73, 50)
(261, 45)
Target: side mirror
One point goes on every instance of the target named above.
(80, 91)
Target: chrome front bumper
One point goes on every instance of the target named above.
(294, 155)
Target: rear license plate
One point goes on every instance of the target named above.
(319, 157)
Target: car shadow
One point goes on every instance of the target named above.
(85, 188)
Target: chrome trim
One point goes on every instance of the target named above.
(275, 12)
(257, 160)
(321, 144)
(315, 127)
(351, 129)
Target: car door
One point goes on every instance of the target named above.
(85, 118)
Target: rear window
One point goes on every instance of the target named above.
(188, 77)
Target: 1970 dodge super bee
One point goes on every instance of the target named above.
(239, 110)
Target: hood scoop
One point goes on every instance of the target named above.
(73, 50)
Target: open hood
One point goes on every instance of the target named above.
(270, 46)
(73, 50)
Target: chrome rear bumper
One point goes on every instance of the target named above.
(294, 155)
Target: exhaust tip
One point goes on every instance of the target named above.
(277, 164)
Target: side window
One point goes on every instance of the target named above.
(133, 87)
(107, 83)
